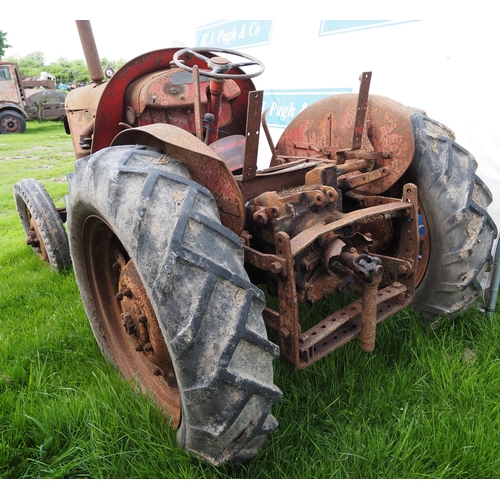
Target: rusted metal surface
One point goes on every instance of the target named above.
(345, 325)
(319, 261)
(359, 122)
(81, 108)
(140, 323)
(11, 124)
(205, 167)
(133, 334)
(231, 149)
(34, 238)
(306, 237)
(326, 127)
(11, 90)
(90, 51)
(112, 107)
(216, 91)
(45, 104)
(197, 103)
(252, 135)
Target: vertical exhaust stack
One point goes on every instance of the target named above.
(90, 51)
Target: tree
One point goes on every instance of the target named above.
(63, 70)
(66, 71)
(32, 65)
(3, 43)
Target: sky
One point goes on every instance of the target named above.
(124, 30)
(114, 37)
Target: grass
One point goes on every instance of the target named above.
(424, 404)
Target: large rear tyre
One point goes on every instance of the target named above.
(42, 224)
(457, 233)
(169, 300)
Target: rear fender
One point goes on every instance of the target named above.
(204, 165)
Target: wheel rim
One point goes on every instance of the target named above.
(125, 313)
(10, 124)
(34, 238)
(424, 251)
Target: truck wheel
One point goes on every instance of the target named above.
(169, 300)
(11, 122)
(42, 224)
(457, 233)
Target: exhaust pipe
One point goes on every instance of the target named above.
(90, 51)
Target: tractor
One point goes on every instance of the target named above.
(185, 252)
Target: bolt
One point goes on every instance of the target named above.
(127, 292)
(275, 267)
(171, 380)
(158, 372)
(119, 296)
(32, 240)
(139, 348)
(129, 324)
(148, 347)
(142, 318)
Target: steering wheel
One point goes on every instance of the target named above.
(219, 66)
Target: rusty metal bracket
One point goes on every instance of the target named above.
(255, 99)
(346, 324)
(364, 215)
(358, 318)
(197, 103)
(356, 180)
(266, 262)
(359, 122)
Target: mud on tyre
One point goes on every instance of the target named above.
(169, 301)
(457, 231)
(42, 224)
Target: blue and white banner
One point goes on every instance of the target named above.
(285, 105)
(234, 34)
(338, 27)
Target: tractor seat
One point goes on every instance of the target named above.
(231, 149)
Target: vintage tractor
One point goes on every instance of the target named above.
(174, 234)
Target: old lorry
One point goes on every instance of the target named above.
(22, 100)
(184, 251)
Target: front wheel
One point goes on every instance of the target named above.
(169, 301)
(12, 122)
(42, 224)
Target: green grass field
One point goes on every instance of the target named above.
(424, 404)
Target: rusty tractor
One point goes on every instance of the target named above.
(174, 234)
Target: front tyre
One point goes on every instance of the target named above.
(42, 224)
(12, 122)
(169, 301)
